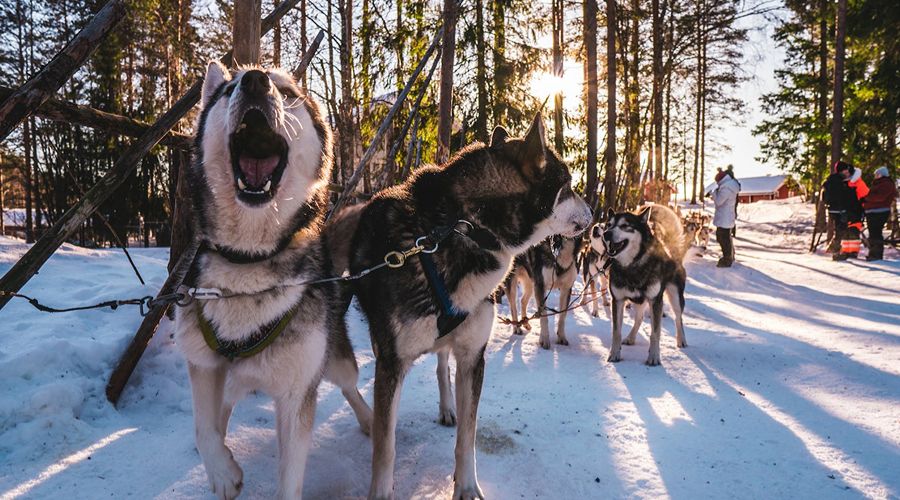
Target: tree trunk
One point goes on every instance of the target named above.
(658, 19)
(347, 130)
(590, 79)
(609, 183)
(445, 106)
(558, 47)
(302, 77)
(697, 106)
(837, 124)
(481, 130)
(245, 34)
(634, 116)
(276, 40)
(500, 65)
(703, 102)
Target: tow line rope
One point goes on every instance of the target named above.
(427, 244)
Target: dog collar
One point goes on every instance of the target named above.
(254, 344)
(306, 216)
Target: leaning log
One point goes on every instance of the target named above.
(387, 173)
(138, 345)
(61, 111)
(51, 77)
(31, 262)
(385, 123)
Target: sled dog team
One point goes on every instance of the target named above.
(451, 234)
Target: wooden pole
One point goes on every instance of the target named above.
(300, 70)
(245, 31)
(386, 174)
(51, 77)
(385, 123)
(37, 255)
(138, 345)
(60, 111)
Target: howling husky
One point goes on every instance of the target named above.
(645, 264)
(262, 160)
(489, 203)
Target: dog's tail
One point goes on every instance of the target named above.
(668, 228)
(338, 236)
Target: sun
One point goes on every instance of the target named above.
(544, 85)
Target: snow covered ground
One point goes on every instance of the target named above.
(790, 388)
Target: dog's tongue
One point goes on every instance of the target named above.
(257, 170)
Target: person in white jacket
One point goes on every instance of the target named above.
(725, 198)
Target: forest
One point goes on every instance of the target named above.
(635, 92)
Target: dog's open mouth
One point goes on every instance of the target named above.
(613, 248)
(258, 158)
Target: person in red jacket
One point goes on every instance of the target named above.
(878, 208)
(850, 247)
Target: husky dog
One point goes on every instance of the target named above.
(262, 160)
(593, 271)
(552, 264)
(696, 227)
(645, 265)
(511, 194)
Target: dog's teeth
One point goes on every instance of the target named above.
(241, 184)
(268, 186)
(243, 126)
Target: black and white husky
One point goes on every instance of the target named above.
(262, 160)
(594, 261)
(511, 194)
(646, 264)
(544, 267)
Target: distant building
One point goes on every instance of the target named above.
(769, 187)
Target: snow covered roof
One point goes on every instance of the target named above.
(766, 184)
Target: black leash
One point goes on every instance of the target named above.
(147, 302)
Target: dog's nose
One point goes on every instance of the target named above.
(595, 231)
(607, 235)
(255, 83)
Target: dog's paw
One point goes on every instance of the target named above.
(595, 313)
(470, 492)
(447, 417)
(545, 342)
(653, 360)
(225, 476)
(628, 341)
(517, 330)
(365, 424)
(562, 341)
(614, 356)
(681, 343)
(526, 326)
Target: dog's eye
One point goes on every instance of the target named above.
(229, 89)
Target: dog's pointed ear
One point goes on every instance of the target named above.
(499, 136)
(216, 75)
(645, 215)
(610, 213)
(534, 148)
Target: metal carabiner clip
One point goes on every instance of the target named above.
(422, 248)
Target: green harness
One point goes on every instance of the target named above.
(252, 345)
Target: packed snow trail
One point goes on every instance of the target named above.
(790, 387)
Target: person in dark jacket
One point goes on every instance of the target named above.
(878, 208)
(843, 205)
